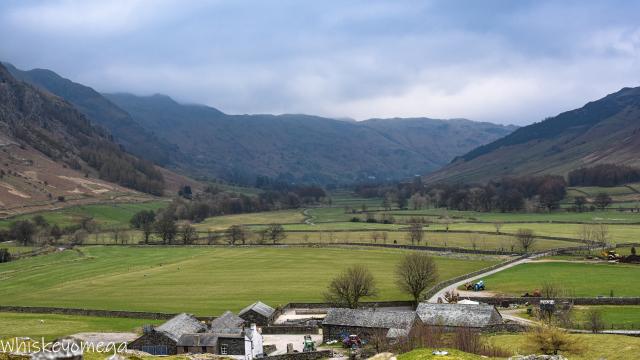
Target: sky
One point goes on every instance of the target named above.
(511, 62)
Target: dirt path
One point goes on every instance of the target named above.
(454, 286)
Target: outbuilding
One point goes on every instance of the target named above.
(341, 322)
(163, 340)
(458, 315)
(258, 313)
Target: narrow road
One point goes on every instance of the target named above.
(440, 294)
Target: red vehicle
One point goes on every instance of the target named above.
(352, 341)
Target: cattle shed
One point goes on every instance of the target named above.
(258, 313)
(341, 322)
(458, 315)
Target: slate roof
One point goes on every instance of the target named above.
(201, 339)
(259, 307)
(181, 324)
(469, 315)
(228, 320)
(370, 318)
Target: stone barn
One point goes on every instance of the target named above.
(243, 343)
(227, 321)
(258, 313)
(163, 340)
(365, 323)
(459, 315)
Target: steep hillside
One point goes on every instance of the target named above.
(304, 148)
(601, 132)
(103, 112)
(49, 151)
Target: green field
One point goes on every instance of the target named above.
(279, 217)
(609, 216)
(52, 326)
(104, 214)
(580, 279)
(614, 317)
(204, 281)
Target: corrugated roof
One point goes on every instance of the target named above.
(469, 315)
(370, 318)
(181, 324)
(228, 320)
(259, 307)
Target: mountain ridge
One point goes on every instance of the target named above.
(602, 131)
(373, 140)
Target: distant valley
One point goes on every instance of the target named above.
(206, 143)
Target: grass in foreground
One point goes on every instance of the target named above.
(582, 279)
(427, 354)
(52, 326)
(594, 347)
(204, 281)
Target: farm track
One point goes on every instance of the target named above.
(454, 286)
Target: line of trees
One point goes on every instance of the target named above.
(505, 195)
(604, 175)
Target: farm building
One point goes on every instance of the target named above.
(243, 343)
(341, 322)
(226, 321)
(258, 313)
(458, 315)
(163, 340)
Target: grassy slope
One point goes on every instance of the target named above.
(104, 214)
(52, 326)
(595, 347)
(427, 354)
(200, 280)
(583, 279)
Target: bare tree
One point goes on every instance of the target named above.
(235, 234)
(374, 236)
(551, 290)
(189, 234)
(385, 237)
(348, 287)
(416, 273)
(498, 226)
(276, 233)
(595, 321)
(526, 239)
(415, 234)
(601, 234)
(473, 241)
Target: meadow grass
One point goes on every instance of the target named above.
(590, 347)
(579, 279)
(52, 326)
(224, 222)
(614, 317)
(609, 216)
(205, 281)
(617, 233)
(104, 214)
